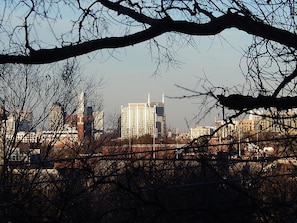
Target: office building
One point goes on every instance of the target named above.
(138, 119)
(98, 121)
(56, 117)
(85, 120)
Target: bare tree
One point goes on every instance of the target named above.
(26, 150)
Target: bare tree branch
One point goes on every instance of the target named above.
(158, 27)
(241, 102)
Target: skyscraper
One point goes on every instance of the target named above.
(138, 119)
(56, 117)
(98, 121)
(81, 110)
(85, 120)
(160, 117)
(81, 104)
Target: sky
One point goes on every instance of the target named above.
(128, 74)
(129, 77)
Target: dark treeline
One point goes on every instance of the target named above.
(197, 190)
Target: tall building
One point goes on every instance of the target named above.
(88, 122)
(160, 116)
(138, 119)
(85, 120)
(56, 117)
(81, 109)
(82, 121)
(98, 121)
(19, 120)
(81, 104)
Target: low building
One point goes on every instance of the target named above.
(67, 135)
(200, 131)
(23, 137)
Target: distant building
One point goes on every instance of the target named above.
(81, 108)
(83, 120)
(19, 120)
(245, 125)
(68, 134)
(183, 136)
(17, 155)
(81, 112)
(98, 121)
(260, 120)
(88, 122)
(138, 119)
(224, 130)
(56, 117)
(160, 116)
(275, 121)
(24, 137)
(200, 131)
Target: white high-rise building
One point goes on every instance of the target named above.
(138, 119)
(98, 120)
(81, 104)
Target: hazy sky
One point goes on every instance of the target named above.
(129, 75)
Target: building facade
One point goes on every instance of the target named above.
(98, 121)
(138, 119)
(68, 135)
(85, 119)
(19, 120)
(276, 121)
(82, 121)
(56, 117)
(200, 131)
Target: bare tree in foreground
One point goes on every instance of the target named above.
(130, 190)
(26, 150)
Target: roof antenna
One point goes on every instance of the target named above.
(148, 99)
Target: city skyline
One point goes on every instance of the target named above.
(130, 73)
(129, 76)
